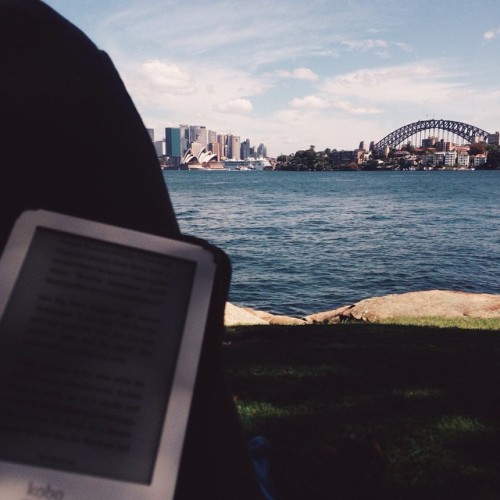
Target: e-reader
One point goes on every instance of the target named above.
(100, 335)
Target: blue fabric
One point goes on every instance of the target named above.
(260, 449)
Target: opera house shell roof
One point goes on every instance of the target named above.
(205, 159)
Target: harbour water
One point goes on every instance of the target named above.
(304, 242)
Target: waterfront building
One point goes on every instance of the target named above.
(173, 144)
(478, 160)
(345, 157)
(437, 159)
(463, 159)
(450, 158)
(178, 140)
(426, 159)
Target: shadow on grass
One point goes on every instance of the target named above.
(359, 411)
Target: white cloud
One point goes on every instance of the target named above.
(407, 83)
(490, 35)
(304, 74)
(234, 106)
(365, 44)
(315, 102)
(298, 74)
(166, 77)
(356, 110)
(310, 101)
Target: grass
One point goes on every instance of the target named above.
(362, 411)
(481, 324)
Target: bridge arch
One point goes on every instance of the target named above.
(469, 133)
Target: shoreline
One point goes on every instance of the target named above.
(447, 304)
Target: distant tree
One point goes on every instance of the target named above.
(284, 162)
(493, 160)
(323, 160)
(305, 159)
(371, 165)
(477, 148)
(391, 152)
(409, 147)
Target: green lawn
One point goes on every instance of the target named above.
(362, 411)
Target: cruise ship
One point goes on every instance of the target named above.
(248, 164)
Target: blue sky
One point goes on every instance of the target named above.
(292, 73)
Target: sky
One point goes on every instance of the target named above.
(296, 73)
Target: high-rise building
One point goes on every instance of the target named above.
(216, 149)
(233, 143)
(262, 151)
(245, 149)
(494, 138)
(198, 133)
(159, 148)
(211, 136)
(222, 141)
(196, 148)
(151, 132)
(184, 138)
(430, 142)
(173, 144)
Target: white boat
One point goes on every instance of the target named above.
(262, 164)
(248, 164)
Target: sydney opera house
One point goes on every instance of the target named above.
(203, 160)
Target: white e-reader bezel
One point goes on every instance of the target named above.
(20, 481)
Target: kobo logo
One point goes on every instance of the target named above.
(44, 491)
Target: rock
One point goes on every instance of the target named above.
(235, 315)
(441, 303)
(335, 316)
(276, 319)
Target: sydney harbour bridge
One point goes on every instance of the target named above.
(448, 130)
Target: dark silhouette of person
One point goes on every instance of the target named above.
(73, 142)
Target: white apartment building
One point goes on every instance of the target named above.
(437, 159)
(450, 158)
(478, 160)
(462, 159)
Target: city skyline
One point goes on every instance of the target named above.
(176, 141)
(290, 74)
